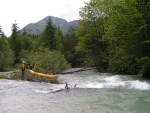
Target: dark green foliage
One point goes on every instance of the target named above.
(26, 46)
(145, 61)
(48, 36)
(115, 34)
(47, 61)
(51, 37)
(146, 71)
(72, 56)
(21, 44)
(90, 35)
(121, 34)
(1, 32)
(59, 40)
(15, 42)
(6, 54)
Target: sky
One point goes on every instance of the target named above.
(31, 11)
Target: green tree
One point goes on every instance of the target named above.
(6, 54)
(59, 39)
(120, 29)
(26, 46)
(51, 38)
(15, 43)
(127, 35)
(143, 37)
(75, 58)
(48, 61)
(115, 34)
(1, 32)
(90, 34)
(139, 43)
(48, 36)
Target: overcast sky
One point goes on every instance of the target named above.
(30, 11)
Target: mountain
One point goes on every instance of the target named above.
(38, 27)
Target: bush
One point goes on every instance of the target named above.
(48, 61)
(6, 54)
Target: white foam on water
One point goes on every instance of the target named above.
(115, 78)
(92, 85)
(114, 82)
(105, 82)
(99, 81)
(139, 85)
(42, 91)
(103, 85)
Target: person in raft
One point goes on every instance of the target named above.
(23, 69)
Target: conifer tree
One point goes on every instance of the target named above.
(15, 44)
(6, 54)
(48, 36)
(59, 39)
(1, 32)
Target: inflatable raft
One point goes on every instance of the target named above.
(41, 74)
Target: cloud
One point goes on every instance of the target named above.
(30, 11)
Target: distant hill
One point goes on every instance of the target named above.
(38, 27)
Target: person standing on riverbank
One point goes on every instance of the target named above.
(23, 68)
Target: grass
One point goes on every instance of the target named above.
(8, 69)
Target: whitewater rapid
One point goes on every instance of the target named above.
(94, 93)
(105, 80)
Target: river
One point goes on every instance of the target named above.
(94, 93)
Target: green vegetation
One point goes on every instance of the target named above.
(28, 76)
(48, 61)
(112, 35)
(3, 77)
(45, 52)
(115, 35)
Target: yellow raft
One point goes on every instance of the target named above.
(41, 74)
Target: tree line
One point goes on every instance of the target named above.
(112, 35)
(115, 35)
(50, 51)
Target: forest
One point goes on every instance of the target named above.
(112, 35)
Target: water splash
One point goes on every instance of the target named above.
(139, 85)
(107, 81)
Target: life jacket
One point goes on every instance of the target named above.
(23, 66)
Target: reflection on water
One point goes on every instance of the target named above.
(95, 93)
